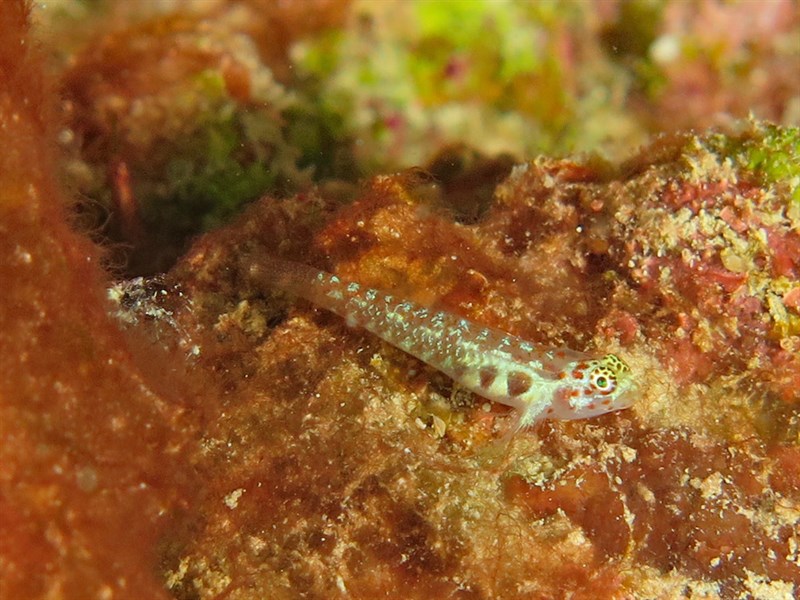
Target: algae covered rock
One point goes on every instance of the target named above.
(197, 435)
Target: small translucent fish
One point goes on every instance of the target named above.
(540, 383)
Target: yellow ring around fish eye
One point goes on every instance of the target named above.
(603, 380)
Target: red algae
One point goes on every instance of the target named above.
(707, 515)
(722, 285)
(88, 455)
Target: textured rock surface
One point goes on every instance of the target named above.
(381, 475)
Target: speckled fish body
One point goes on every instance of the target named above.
(540, 383)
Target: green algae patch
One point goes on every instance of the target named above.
(769, 152)
(410, 78)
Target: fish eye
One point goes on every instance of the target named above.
(603, 380)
